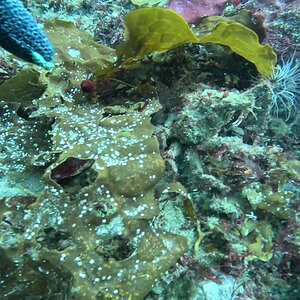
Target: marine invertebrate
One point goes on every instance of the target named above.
(284, 85)
(21, 35)
(88, 86)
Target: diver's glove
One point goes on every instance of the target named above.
(20, 35)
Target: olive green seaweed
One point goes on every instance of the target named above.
(157, 30)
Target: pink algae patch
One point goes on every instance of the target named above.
(192, 10)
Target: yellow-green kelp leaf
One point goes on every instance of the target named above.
(152, 30)
(156, 30)
(244, 42)
(244, 17)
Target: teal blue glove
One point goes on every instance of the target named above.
(20, 35)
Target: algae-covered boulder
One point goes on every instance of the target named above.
(207, 113)
(93, 221)
(262, 196)
(92, 225)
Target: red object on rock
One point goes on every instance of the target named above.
(192, 10)
(88, 86)
(71, 167)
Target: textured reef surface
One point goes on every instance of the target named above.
(158, 158)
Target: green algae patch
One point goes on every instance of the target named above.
(76, 47)
(152, 30)
(263, 197)
(32, 275)
(244, 42)
(131, 278)
(100, 199)
(293, 168)
(23, 87)
(125, 153)
(259, 236)
(77, 57)
(290, 169)
(91, 230)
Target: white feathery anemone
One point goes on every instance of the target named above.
(284, 84)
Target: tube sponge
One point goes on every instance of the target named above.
(20, 34)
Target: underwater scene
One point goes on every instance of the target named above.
(149, 149)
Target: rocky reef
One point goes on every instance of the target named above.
(156, 170)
